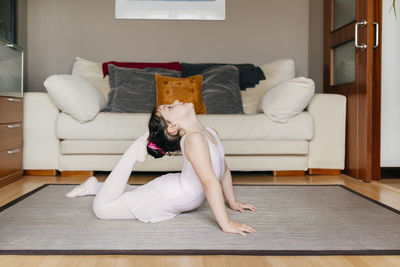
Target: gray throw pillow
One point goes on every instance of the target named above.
(134, 90)
(221, 91)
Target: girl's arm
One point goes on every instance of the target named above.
(226, 183)
(229, 194)
(198, 153)
(227, 186)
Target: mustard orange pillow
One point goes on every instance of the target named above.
(189, 89)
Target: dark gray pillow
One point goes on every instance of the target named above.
(134, 90)
(221, 91)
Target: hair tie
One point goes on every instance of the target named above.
(154, 146)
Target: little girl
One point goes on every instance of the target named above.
(204, 174)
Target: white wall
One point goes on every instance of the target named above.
(257, 31)
(390, 114)
(316, 44)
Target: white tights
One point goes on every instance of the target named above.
(110, 202)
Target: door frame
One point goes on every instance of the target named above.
(362, 159)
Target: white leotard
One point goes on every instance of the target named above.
(170, 194)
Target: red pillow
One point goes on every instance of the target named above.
(142, 65)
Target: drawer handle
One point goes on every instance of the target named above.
(14, 125)
(13, 151)
(13, 100)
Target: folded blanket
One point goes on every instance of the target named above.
(142, 65)
(249, 75)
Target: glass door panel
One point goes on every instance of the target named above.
(344, 61)
(11, 70)
(344, 12)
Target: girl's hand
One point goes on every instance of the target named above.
(237, 228)
(241, 206)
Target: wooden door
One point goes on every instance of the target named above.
(352, 59)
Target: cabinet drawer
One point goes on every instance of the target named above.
(10, 161)
(11, 109)
(10, 135)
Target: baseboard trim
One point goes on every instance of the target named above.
(289, 173)
(390, 172)
(6, 180)
(76, 173)
(312, 171)
(40, 172)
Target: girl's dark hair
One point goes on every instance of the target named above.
(159, 136)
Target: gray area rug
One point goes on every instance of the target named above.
(290, 220)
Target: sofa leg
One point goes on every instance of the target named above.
(76, 173)
(289, 173)
(324, 171)
(40, 172)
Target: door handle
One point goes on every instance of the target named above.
(14, 125)
(376, 34)
(13, 100)
(363, 23)
(13, 151)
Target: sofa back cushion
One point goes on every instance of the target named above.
(185, 90)
(221, 91)
(134, 90)
(92, 72)
(275, 72)
(75, 96)
(287, 99)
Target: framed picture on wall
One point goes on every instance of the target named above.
(170, 9)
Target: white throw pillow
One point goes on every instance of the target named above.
(93, 72)
(275, 72)
(75, 96)
(287, 99)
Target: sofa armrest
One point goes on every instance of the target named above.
(327, 148)
(40, 143)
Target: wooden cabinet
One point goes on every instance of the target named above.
(11, 119)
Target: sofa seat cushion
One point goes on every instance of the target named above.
(129, 126)
(231, 147)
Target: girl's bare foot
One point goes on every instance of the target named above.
(89, 187)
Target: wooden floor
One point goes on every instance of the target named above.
(386, 191)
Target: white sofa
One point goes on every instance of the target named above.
(315, 138)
